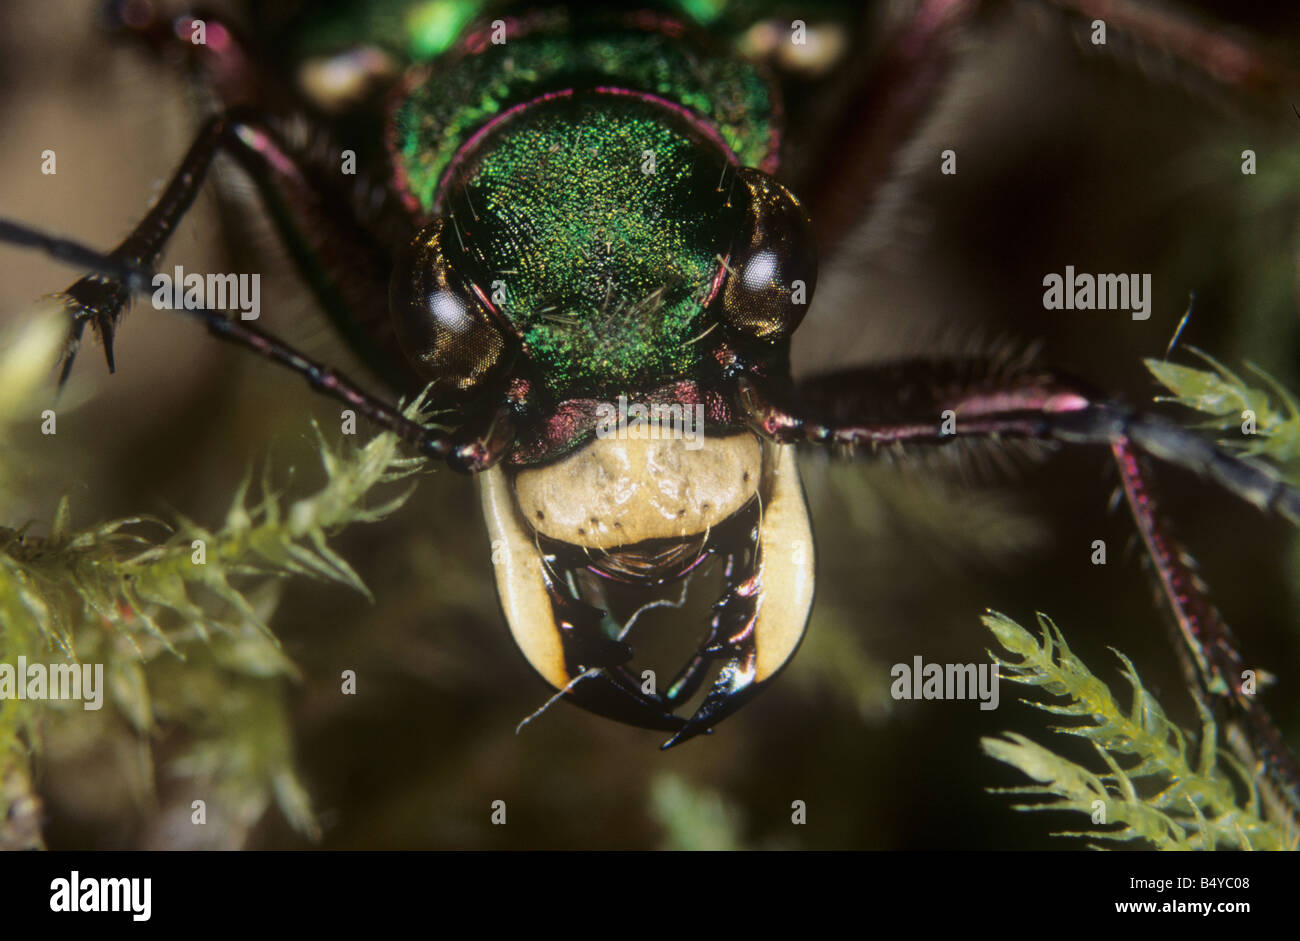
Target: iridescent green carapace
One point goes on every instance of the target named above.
(588, 176)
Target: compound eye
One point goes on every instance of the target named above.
(773, 265)
(445, 326)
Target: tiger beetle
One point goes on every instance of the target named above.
(587, 208)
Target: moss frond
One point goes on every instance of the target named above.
(1226, 397)
(1167, 787)
(177, 613)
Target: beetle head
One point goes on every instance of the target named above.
(610, 245)
(603, 233)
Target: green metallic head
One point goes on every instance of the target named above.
(598, 222)
(602, 234)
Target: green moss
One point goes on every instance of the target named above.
(1163, 786)
(178, 615)
(1262, 421)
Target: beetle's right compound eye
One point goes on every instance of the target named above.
(773, 264)
(445, 325)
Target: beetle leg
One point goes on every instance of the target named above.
(222, 54)
(474, 446)
(234, 65)
(1198, 47)
(1209, 650)
(314, 219)
(841, 169)
(890, 98)
(922, 403)
(937, 403)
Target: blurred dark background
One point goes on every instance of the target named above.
(1112, 162)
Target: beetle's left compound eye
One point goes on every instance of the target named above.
(773, 265)
(444, 324)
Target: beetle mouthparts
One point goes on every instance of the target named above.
(754, 629)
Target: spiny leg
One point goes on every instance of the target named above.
(222, 56)
(888, 99)
(1207, 642)
(306, 208)
(888, 102)
(1199, 47)
(476, 445)
(100, 298)
(932, 403)
(338, 228)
